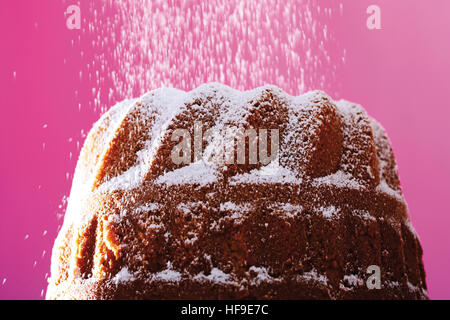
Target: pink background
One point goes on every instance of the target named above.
(400, 74)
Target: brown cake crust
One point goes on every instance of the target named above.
(140, 227)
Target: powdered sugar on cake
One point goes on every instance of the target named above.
(134, 216)
(195, 173)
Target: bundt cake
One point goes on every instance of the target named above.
(310, 223)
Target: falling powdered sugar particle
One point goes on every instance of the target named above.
(144, 45)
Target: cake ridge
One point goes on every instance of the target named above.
(239, 99)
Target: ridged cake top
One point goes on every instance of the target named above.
(319, 139)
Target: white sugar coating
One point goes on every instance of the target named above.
(216, 276)
(386, 189)
(414, 288)
(123, 276)
(339, 179)
(81, 189)
(235, 216)
(288, 207)
(149, 207)
(271, 173)
(364, 215)
(155, 226)
(230, 206)
(186, 207)
(384, 158)
(192, 240)
(286, 210)
(127, 180)
(262, 275)
(411, 228)
(195, 173)
(313, 276)
(167, 275)
(328, 212)
(165, 103)
(234, 212)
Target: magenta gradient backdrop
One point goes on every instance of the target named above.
(400, 74)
